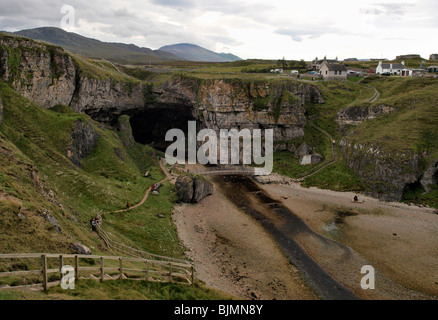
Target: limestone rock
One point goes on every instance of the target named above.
(184, 187)
(83, 138)
(430, 176)
(303, 150)
(46, 214)
(311, 159)
(80, 248)
(192, 188)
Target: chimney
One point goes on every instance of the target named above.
(403, 63)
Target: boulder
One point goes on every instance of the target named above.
(201, 189)
(311, 159)
(184, 188)
(80, 248)
(192, 189)
(303, 150)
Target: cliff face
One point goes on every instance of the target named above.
(49, 76)
(42, 73)
(104, 100)
(231, 103)
(386, 174)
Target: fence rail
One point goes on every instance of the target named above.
(134, 269)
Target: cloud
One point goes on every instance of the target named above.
(388, 9)
(299, 35)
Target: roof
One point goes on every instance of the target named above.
(336, 67)
(394, 66)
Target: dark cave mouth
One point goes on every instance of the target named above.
(413, 191)
(150, 126)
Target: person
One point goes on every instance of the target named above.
(127, 205)
(93, 224)
(333, 141)
(170, 171)
(153, 186)
(355, 199)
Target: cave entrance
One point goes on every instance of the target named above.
(413, 191)
(150, 126)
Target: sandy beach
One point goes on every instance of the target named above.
(234, 253)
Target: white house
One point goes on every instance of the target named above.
(393, 68)
(333, 71)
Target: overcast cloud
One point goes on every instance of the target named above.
(249, 29)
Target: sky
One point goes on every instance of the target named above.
(249, 29)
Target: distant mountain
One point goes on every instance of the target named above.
(92, 48)
(193, 52)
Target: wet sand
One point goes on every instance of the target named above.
(235, 253)
(232, 252)
(398, 240)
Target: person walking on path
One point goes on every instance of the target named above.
(127, 205)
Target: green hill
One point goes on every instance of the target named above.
(91, 48)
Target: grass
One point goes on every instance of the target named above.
(36, 140)
(338, 177)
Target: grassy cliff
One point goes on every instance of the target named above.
(37, 178)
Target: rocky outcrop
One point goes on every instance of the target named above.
(355, 115)
(80, 248)
(233, 103)
(429, 180)
(42, 73)
(125, 131)
(51, 219)
(311, 159)
(303, 149)
(192, 189)
(83, 139)
(386, 174)
(105, 100)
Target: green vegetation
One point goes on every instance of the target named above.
(120, 290)
(36, 176)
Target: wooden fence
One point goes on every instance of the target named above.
(116, 268)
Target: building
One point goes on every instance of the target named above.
(433, 56)
(333, 71)
(432, 69)
(393, 68)
(316, 63)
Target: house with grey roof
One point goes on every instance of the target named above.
(393, 68)
(333, 71)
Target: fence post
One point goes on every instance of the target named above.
(193, 275)
(101, 269)
(147, 270)
(44, 271)
(61, 263)
(170, 271)
(76, 268)
(121, 269)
